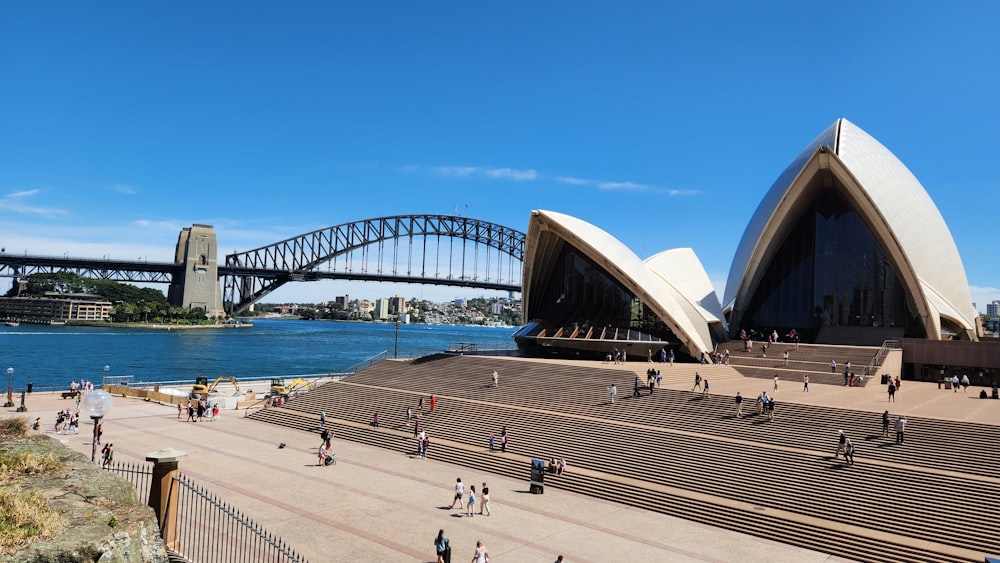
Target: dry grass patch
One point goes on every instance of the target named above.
(25, 515)
(13, 427)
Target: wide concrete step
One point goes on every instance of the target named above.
(681, 454)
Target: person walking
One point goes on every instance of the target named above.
(441, 548)
(965, 383)
(636, 386)
(739, 405)
(892, 392)
(322, 419)
(697, 381)
(433, 402)
(786, 357)
(420, 405)
(659, 378)
(459, 493)
(480, 555)
(191, 412)
(470, 505)
(900, 428)
(805, 382)
(704, 391)
(495, 378)
(503, 440)
(484, 503)
(108, 455)
(849, 452)
(409, 414)
(492, 441)
(426, 445)
(180, 409)
(612, 390)
(775, 382)
(833, 366)
(885, 424)
(770, 408)
(841, 444)
(375, 420)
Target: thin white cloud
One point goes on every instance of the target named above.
(621, 186)
(981, 296)
(26, 193)
(574, 181)
(124, 189)
(15, 202)
(627, 186)
(485, 171)
(508, 173)
(456, 171)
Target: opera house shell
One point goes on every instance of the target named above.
(845, 248)
(848, 248)
(586, 292)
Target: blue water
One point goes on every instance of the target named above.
(54, 356)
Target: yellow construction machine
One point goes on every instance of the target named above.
(201, 386)
(281, 389)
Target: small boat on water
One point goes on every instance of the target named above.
(11, 323)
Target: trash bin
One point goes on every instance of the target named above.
(947, 384)
(537, 484)
(885, 379)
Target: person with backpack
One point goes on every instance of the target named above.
(442, 548)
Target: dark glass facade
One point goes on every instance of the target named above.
(829, 271)
(580, 298)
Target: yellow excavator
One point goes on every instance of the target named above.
(281, 389)
(201, 386)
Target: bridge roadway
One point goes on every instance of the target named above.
(678, 453)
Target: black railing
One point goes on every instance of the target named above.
(139, 474)
(211, 531)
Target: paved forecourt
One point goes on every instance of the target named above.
(379, 505)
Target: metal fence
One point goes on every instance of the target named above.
(211, 531)
(139, 474)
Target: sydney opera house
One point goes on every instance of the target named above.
(845, 248)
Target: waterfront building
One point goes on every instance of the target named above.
(66, 307)
(585, 291)
(848, 248)
(845, 248)
(993, 309)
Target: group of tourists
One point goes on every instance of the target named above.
(470, 503)
(198, 410)
(67, 421)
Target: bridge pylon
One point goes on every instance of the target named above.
(198, 286)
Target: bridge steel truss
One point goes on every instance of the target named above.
(135, 271)
(402, 248)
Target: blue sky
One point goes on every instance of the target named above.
(663, 124)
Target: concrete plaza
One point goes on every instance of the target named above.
(380, 505)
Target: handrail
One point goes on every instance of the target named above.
(876, 361)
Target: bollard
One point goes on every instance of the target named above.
(163, 493)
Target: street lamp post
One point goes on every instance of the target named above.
(106, 370)
(96, 405)
(10, 389)
(395, 342)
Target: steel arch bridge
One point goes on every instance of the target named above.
(425, 249)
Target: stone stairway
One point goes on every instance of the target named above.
(811, 359)
(678, 453)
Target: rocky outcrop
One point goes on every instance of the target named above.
(104, 521)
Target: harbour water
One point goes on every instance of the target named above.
(52, 356)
